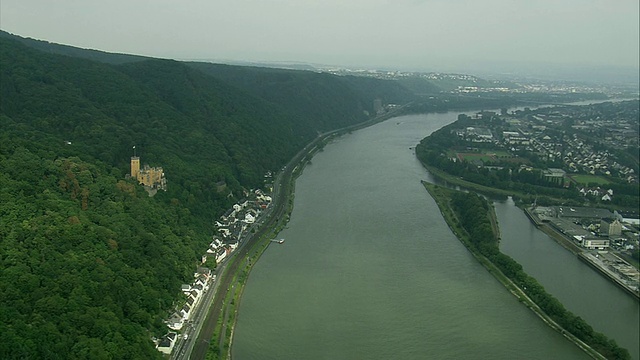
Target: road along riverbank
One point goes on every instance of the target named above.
(369, 267)
(216, 335)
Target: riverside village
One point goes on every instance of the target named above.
(231, 228)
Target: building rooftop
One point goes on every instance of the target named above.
(583, 212)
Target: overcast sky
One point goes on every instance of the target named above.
(401, 34)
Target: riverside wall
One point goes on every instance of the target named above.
(581, 253)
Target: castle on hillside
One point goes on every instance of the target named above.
(151, 177)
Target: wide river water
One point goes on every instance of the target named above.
(370, 270)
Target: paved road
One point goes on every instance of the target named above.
(280, 198)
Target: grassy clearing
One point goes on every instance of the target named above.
(498, 153)
(587, 179)
(475, 156)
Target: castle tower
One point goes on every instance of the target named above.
(135, 166)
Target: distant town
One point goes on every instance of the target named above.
(576, 165)
(464, 84)
(579, 139)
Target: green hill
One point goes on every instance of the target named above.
(90, 263)
(90, 54)
(326, 101)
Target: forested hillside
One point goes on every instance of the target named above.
(326, 100)
(90, 263)
(90, 54)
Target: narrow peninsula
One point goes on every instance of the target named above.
(472, 220)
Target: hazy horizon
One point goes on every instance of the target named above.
(491, 36)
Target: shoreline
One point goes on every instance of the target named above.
(581, 253)
(448, 214)
(589, 260)
(295, 168)
(559, 238)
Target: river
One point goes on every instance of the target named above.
(370, 270)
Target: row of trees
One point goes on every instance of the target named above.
(508, 178)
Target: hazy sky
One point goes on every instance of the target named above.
(420, 34)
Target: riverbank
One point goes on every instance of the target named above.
(582, 254)
(559, 238)
(442, 197)
(264, 340)
(567, 243)
(601, 267)
(450, 180)
(217, 343)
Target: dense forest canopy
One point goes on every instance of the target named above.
(311, 94)
(90, 263)
(90, 54)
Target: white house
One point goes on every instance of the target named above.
(222, 254)
(166, 343)
(175, 322)
(185, 311)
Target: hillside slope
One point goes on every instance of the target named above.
(327, 101)
(90, 263)
(89, 54)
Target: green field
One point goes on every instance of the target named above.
(475, 156)
(484, 155)
(498, 153)
(586, 179)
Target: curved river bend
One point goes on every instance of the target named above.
(370, 269)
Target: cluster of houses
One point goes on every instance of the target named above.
(193, 293)
(475, 134)
(534, 133)
(597, 192)
(233, 224)
(514, 139)
(577, 154)
(581, 157)
(230, 229)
